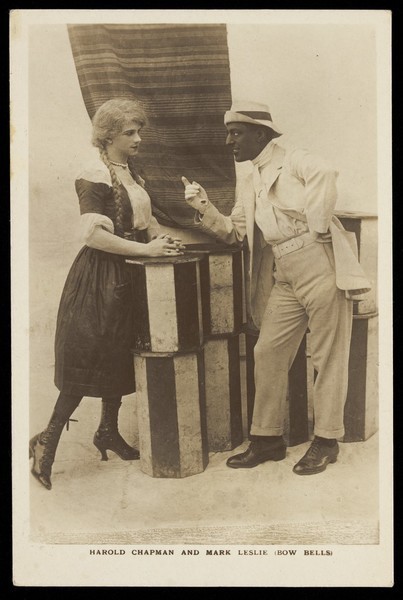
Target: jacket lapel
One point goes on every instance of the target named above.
(273, 170)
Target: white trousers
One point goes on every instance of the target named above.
(304, 295)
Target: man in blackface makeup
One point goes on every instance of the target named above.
(303, 274)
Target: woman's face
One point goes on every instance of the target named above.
(125, 144)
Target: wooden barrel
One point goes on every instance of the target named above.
(223, 393)
(221, 288)
(167, 303)
(171, 413)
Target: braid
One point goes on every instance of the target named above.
(116, 194)
(136, 177)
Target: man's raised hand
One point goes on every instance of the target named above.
(195, 195)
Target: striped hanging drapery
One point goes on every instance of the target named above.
(181, 75)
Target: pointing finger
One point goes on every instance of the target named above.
(185, 181)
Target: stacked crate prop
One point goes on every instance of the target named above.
(361, 410)
(169, 365)
(221, 292)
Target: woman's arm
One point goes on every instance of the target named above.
(97, 232)
(100, 239)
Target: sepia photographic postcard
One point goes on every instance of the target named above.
(127, 481)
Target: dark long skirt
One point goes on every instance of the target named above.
(94, 332)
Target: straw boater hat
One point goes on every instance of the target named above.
(250, 112)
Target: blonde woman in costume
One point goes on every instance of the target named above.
(94, 324)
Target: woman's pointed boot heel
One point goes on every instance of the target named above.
(107, 437)
(100, 446)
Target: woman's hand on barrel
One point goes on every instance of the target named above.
(165, 245)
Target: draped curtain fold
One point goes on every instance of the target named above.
(181, 74)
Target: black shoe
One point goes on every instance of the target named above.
(42, 448)
(107, 437)
(257, 453)
(106, 440)
(316, 459)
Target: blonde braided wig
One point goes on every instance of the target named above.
(107, 123)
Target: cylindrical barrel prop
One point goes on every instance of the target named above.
(167, 302)
(171, 414)
(223, 393)
(221, 288)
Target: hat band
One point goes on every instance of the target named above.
(255, 114)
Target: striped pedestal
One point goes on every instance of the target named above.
(296, 418)
(223, 393)
(221, 288)
(361, 409)
(222, 292)
(167, 301)
(171, 414)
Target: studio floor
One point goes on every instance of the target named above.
(95, 502)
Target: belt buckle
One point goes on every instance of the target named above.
(276, 251)
(291, 246)
(298, 241)
(288, 246)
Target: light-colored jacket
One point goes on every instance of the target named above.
(305, 190)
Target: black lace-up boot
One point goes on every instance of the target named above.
(319, 454)
(260, 450)
(107, 437)
(42, 448)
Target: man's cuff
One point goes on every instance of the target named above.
(209, 217)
